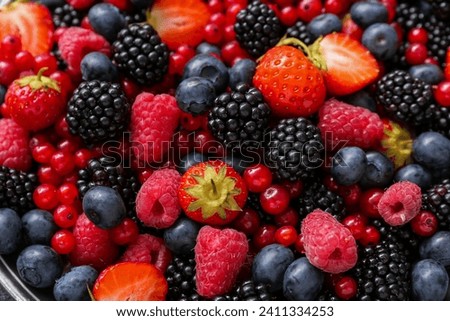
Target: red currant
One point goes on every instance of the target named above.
(190, 122)
(8, 73)
(232, 51)
(298, 245)
(288, 16)
(45, 61)
(43, 153)
(289, 217)
(212, 33)
(130, 88)
(431, 60)
(346, 288)
(350, 28)
(257, 178)
(144, 175)
(232, 11)
(62, 128)
(424, 224)
(63, 242)
(125, 233)
(442, 93)
(229, 34)
(69, 145)
(368, 202)
(331, 184)
(82, 157)
(62, 163)
(309, 9)
(218, 19)
(47, 175)
(337, 7)
(24, 60)
(67, 193)
(285, 235)
(215, 6)
(204, 142)
(186, 51)
(371, 236)
(391, 6)
(264, 236)
(295, 188)
(247, 222)
(176, 64)
(65, 216)
(10, 46)
(418, 35)
(45, 196)
(416, 53)
(275, 200)
(351, 194)
(356, 223)
(71, 177)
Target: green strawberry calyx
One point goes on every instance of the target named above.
(313, 52)
(39, 81)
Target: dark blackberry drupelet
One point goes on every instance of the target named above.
(300, 32)
(108, 171)
(140, 15)
(98, 111)
(180, 276)
(438, 38)
(140, 54)
(248, 291)
(257, 28)
(441, 9)
(327, 294)
(16, 189)
(66, 16)
(437, 119)
(239, 117)
(295, 149)
(409, 15)
(383, 272)
(404, 97)
(317, 195)
(437, 200)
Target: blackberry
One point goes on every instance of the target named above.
(404, 97)
(257, 28)
(248, 291)
(62, 64)
(383, 273)
(327, 294)
(409, 15)
(108, 171)
(98, 111)
(438, 38)
(317, 195)
(180, 276)
(437, 200)
(239, 117)
(140, 54)
(135, 16)
(437, 119)
(295, 149)
(16, 189)
(441, 9)
(300, 32)
(66, 16)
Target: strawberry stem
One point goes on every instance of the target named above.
(41, 72)
(312, 52)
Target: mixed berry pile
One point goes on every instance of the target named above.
(226, 149)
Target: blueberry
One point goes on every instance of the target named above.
(414, 173)
(10, 231)
(381, 39)
(142, 4)
(437, 247)
(180, 238)
(73, 285)
(365, 13)
(349, 165)
(302, 281)
(270, 264)
(432, 150)
(195, 95)
(190, 160)
(429, 281)
(96, 65)
(39, 266)
(106, 20)
(38, 226)
(242, 72)
(362, 99)
(429, 73)
(209, 67)
(324, 24)
(2, 94)
(379, 171)
(104, 206)
(207, 48)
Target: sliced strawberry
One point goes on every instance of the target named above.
(349, 65)
(32, 22)
(130, 281)
(179, 21)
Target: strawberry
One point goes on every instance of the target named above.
(130, 281)
(289, 82)
(35, 102)
(179, 22)
(212, 193)
(347, 65)
(32, 22)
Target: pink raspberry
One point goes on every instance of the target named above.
(14, 150)
(148, 249)
(157, 201)
(76, 42)
(93, 246)
(154, 119)
(219, 256)
(328, 244)
(342, 123)
(400, 203)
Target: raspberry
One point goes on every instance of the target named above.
(81, 4)
(219, 255)
(400, 203)
(76, 42)
(93, 245)
(14, 151)
(154, 119)
(148, 249)
(328, 244)
(157, 201)
(340, 122)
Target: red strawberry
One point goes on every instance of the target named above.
(219, 256)
(35, 102)
(349, 27)
(289, 82)
(341, 123)
(32, 22)
(212, 193)
(14, 150)
(148, 249)
(130, 281)
(179, 22)
(349, 66)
